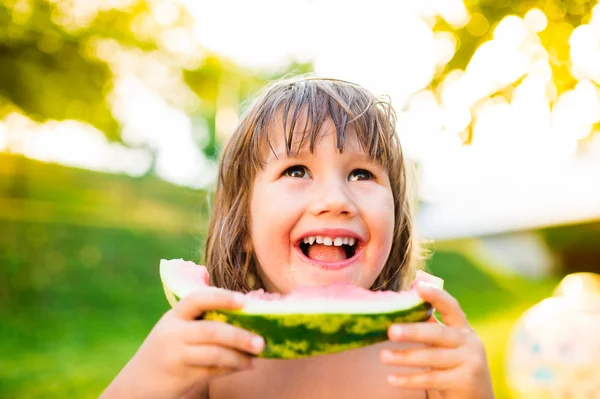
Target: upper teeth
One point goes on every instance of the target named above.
(337, 241)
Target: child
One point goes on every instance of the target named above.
(311, 158)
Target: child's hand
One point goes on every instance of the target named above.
(181, 354)
(453, 357)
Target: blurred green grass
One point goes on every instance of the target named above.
(79, 294)
(67, 328)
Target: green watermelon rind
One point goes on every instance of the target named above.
(294, 336)
(293, 332)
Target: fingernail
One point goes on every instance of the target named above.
(396, 330)
(394, 379)
(386, 355)
(424, 286)
(240, 299)
(258, 344)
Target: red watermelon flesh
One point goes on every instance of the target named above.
(197, 277)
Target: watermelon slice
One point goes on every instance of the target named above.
(310, 320)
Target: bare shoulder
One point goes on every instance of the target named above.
(352, 374)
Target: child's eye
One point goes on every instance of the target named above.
(297, 171)
(360, 174)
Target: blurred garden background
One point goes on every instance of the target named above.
(113, 112)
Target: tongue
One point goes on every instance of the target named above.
(326, 253)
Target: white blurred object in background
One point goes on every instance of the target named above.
(554, 351)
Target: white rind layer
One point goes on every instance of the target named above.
(405, 301)
(182, 286)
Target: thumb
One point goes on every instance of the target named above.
(209, 298)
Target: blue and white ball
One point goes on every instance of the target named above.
(554, 350)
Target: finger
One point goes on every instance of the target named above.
(222, 334)
(436, 358)
(216, 357)
(434, 320)
(428, 333)
(449, 308)
(427, 380)
(209, 298)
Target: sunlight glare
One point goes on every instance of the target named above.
(585, 52)
(148, 120)
(418, 124)
(453, 11)
(445, 47)
(165, 13)
(536, 20)
(505, 92)
(576, 111)
(511, 30)
(73, 143)
(3, 137)
(456, 118)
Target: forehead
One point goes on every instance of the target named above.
(301, 134)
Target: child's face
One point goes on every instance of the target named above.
(335, 196)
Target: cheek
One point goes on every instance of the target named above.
(387, 222)
(378, 208)
(377, 212)
(281, 201)
(273, 212)
(261, 232)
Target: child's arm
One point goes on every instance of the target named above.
(453, 357)
(182, 354)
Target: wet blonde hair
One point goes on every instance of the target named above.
(308, 102)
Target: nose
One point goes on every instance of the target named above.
(333, 197)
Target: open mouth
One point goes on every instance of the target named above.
(328, 249)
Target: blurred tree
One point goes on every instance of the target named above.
(224, 86)
(47, 70)
(55, 57)
(484, 15)
(59, 59)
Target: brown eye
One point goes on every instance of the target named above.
(297, 171)
(360, 174)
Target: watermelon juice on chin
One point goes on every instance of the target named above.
(310, 320)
